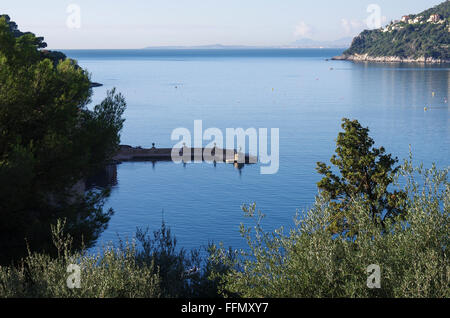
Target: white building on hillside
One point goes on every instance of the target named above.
(417, 19)
(434, 18)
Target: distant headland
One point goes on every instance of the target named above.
(415, 38)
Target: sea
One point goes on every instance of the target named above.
(300, 92)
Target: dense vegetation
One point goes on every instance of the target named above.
(369, 211)
(408, 40)
(54, 56)
(365, 173)
(151, 266)
(306, 261)
(49, 142)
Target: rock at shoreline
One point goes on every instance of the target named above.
(94, 84)
(388, 59)
(339, 58)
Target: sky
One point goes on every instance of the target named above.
(134, 24)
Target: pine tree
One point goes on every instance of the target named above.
(49, 142)
(365, 173)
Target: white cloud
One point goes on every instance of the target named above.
(352, 26)
(303, 30)
(373, 21)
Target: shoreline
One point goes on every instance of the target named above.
(95, 84)
(388, 59)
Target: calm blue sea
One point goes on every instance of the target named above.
(297, 91)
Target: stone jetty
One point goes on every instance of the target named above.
(129, 153)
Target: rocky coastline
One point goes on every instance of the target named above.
(388, 59)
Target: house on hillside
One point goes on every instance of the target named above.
(434, 18)
(417, 19)
(405, 19)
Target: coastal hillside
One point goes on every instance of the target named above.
(423, 37)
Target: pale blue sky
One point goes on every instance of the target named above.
(141, 23)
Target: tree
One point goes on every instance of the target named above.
(307, 262)
(365, 173)
(49, 142)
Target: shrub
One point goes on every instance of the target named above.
(149, 267)
(412, 252)
(113, 272)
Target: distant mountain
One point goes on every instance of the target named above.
(309, 43)
(202, 47)
(423, 37)
(302, 43)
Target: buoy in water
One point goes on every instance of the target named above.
(425, 108)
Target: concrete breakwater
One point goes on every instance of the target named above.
(107, 176)
(129, 153)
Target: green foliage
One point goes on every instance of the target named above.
(150, 268)
(161, 249)
(365, 173)
(309, 262)
(442, 9)
(182, 274)
(412, 41)
(49, 142)
(110, 273)
(13, 29)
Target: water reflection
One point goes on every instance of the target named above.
(107, 177)
(239, 167)
(104, 178)
(83, 216)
